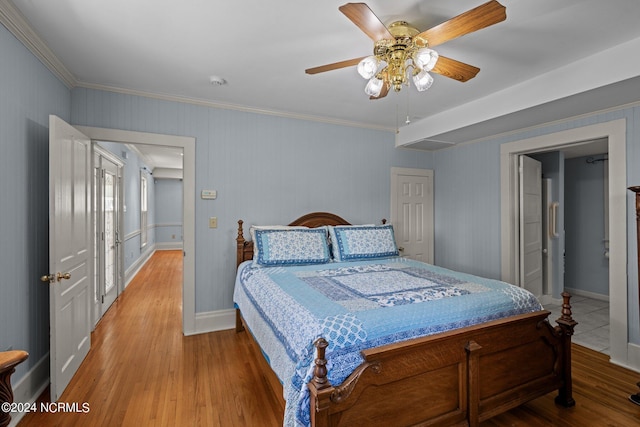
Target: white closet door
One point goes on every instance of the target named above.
(412, 212)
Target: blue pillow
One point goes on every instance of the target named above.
(353, 243)
(291, 246)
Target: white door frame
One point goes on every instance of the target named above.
(615, 132)
(98, 151)
(188, 205)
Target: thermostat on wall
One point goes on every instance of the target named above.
(209, 194)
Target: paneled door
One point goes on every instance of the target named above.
(412, 212)
(70, 267)
(531, 225)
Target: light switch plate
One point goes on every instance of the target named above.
(213, 222)
(208, 194)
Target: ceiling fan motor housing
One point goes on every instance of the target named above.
(397, 53)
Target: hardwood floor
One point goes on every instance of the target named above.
(142, 371)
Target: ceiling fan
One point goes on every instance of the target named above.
(401, 52)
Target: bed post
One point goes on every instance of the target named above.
(565, 327)
(239, 244)
(319, 387)
(473, 383)
(239, 258)
(239, 324)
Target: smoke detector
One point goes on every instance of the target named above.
(217, 81)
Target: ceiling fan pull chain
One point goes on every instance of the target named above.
(408, 120)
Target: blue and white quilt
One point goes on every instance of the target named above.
(357, 305)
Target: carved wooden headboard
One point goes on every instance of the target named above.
(311, 220)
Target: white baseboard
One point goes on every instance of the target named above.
(168, 246)
(30, 387)
(632, 361)
(633, 358)
(212, 321)
(136, 267)
(587, 294)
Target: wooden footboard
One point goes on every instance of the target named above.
(460, 377)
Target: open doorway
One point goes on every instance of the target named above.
(575, 238)
(129, 226)
(615, 133)
(187, 145)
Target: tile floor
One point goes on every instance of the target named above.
(592, 316)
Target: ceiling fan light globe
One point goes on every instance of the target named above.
(422, 81)
(368, 67)
(426, 58)
(374, 87)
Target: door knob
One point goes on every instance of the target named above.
(61, 276)
(48, 278)
(55, 278)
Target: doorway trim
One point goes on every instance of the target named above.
(188, 146)
(615, 132)
(101, 153)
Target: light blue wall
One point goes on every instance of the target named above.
(28, 94)
(586, 267)
(168, 211)
(266, 170)
(467, 208)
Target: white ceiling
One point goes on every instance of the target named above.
(261, 48)
(159, 157)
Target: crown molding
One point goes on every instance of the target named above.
(18, 25)
(225, 106)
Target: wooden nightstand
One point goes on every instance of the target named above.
(8, 362)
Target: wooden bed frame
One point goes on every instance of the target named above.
(460, 377)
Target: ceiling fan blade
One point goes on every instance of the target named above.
(366, 20)
(472, 20)
(334, 66)
(383, 92)
(455, 69)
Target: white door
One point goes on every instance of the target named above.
(69, 251)
(412, 212)
(531, 225)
